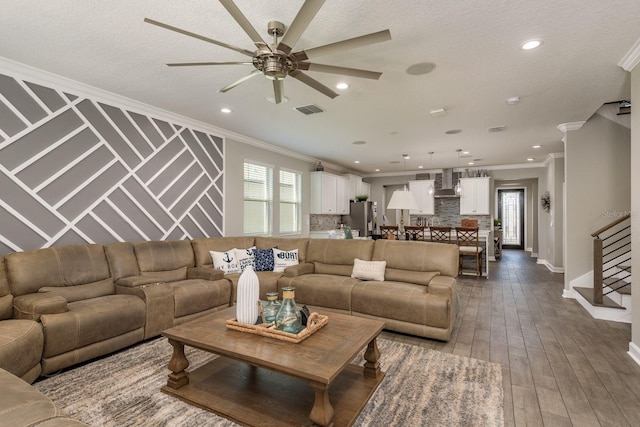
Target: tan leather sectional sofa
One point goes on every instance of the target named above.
(64, 305)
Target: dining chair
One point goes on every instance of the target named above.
(389, 232)
(469, 245)
(415, 232)
(440, 234)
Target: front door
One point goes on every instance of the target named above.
(511, 214)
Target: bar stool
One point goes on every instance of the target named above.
(469, 245)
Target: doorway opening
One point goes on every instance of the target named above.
(511, 215)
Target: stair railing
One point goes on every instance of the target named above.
(611, 253)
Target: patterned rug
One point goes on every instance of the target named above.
(421, 388)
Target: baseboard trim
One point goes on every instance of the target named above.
(550, 266)
(529, 249)
(534, 255)
(634, 352)
(568, 293)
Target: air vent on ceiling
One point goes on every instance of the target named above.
(309, 109)
(497, 129)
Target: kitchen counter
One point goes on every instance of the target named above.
(338, 233)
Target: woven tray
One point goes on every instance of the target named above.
(314, 323)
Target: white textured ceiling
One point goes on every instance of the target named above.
(474, 44)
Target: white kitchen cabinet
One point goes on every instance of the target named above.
(420, 190)
(365, 189)
(328, 194)
(475, 196)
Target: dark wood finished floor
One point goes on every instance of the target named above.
(560, 367)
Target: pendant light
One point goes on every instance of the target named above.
(431, 190)
(458, 187)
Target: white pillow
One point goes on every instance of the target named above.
(368, 270)
(284, 259)
(226, 261)
(246, 257)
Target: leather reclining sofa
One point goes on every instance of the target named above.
(64, 305)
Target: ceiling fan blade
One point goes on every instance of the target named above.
(191, 64)
(356, 42)
(299, 24)
(242, 80)
(198, 36)
(244, 23)
(278, 90)
(321, 68)
(299, 75)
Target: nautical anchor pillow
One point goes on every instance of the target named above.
(246, 257)
(226, 261)
(284, 259)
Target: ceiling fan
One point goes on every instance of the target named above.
(277, 60)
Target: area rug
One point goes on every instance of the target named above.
(422, 388)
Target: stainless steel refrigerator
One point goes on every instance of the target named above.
(362, 217)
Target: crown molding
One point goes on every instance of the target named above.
(64, 84)
(571, 126)
(631, 58)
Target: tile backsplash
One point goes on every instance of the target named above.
(324, 222)
(448, 211)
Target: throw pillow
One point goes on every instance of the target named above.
(245, 257)
(263, 259)
(368, 270)
(226, 261)
(284, 259)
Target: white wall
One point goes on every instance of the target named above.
(635, 210)
(597, 187)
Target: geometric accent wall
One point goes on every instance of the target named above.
(77, 170)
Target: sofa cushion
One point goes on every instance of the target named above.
(196, 295)
(69, 265)
(201, 247)
(268, 282)
(226, 261)
(285, 244)
(418, 256)
(408, 276)
(169, 255)
(323, 290)
(339, 252)
(368, 270)
(6, 299)
(91, 321)
(122, 260)
(401, 301)
(283, 259)
(333, 269)
(80, 292)
(21, 343)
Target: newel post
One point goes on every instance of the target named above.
(597, 271)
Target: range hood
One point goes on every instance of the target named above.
(447, 185)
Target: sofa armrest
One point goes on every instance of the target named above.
(158, 298)
(299, 269)
(137, 281)
(443, 285)
(205, 273)
(32, 306)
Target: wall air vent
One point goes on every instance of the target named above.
(309, 109)
(497, 129)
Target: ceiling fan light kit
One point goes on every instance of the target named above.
(277, 61)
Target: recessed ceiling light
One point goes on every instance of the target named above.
(438, 112)
(530, 159)
(406, 156)
(421, 68)
(513, 100)
(359, 142)
(470, 163)
(225, 110)
(356, 161)
(465, 152)
(342, 86)
(377, 170)
(531, 44)
(537, 146)
(453, 131)
(420, 167)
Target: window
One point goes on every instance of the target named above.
(258, 198)
(290, 202)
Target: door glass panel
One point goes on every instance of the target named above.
(511, 234)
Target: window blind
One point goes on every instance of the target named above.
(290, 202)
(258, 199)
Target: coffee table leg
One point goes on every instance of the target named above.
(372, 357)
(322, 411)
(178, 363)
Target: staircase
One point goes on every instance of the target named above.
(610, 297)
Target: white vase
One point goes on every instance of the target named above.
(248, 295)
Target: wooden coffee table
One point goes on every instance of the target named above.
(264, 381)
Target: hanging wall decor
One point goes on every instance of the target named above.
(545, 201)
